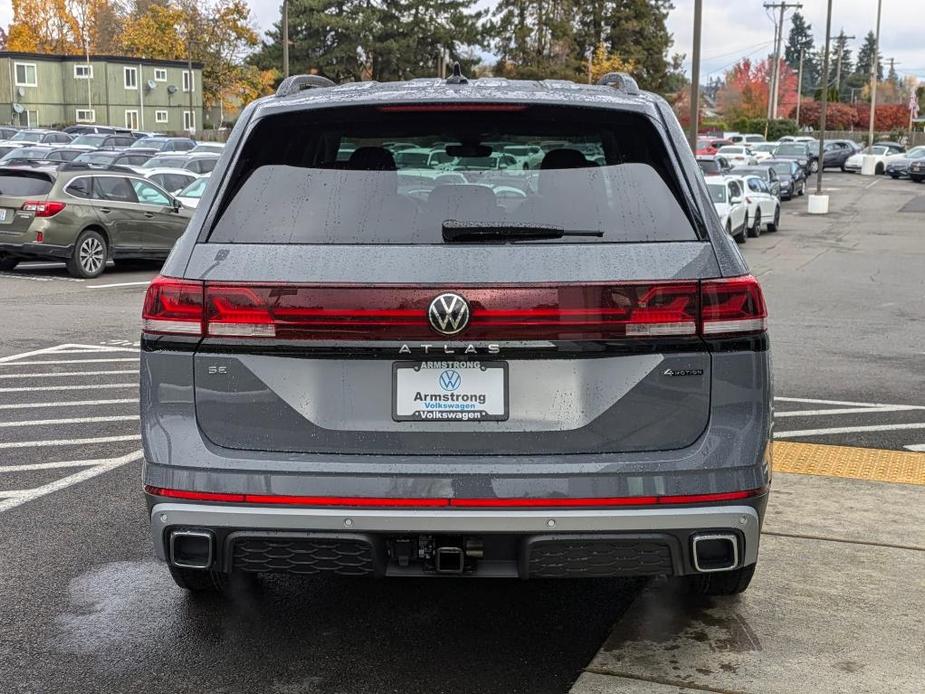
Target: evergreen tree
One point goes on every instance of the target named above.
(801, 37)
(866, 57)
(840, 49)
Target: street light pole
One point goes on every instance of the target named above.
(875, 63)
(285, 38)
(825, 99)
(800, 86)
(695, 76)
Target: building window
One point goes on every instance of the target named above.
(131, 78)
(188, 84)
(26, 75)
(131, 120)
(86, 115)
(160, 74)
(82, 71)
(31, 118)
(160, 117)
(189, 120)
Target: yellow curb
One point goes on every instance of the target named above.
(880, 465)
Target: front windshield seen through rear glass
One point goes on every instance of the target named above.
(354, 179)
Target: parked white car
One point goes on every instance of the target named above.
(763, 206)
(881, 154)
(171, 180)
(190, 195)
(729, 201)
(738, 155)
(746, 139)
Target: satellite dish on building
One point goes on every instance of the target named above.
(18, 108)
(151, 84)
(20, 91)
(172, 89)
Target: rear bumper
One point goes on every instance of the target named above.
(519, 543)
(36, 250)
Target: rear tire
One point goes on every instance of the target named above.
(775, 225)
(90, 255)
(7, 264)
(721, 582)
(879, 170)
(755, 230)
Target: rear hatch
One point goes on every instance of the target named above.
(22, 192)
(349, 305)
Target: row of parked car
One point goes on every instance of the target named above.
(889, 158)
(89, 194)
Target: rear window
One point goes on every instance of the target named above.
(24, 185)
(602, 176)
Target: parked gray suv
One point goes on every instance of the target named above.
(452, 367)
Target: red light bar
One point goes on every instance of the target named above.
(391, 502)
(425, 108)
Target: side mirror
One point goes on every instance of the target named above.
(175, 205)
(735, 201)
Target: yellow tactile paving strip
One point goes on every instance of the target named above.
(846, 461)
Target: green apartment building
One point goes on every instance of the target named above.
(41, 90)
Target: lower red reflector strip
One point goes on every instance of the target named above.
(512, 502)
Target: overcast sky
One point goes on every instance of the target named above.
(733, 28)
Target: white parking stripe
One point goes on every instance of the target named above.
(118, 284)
(916, 447)
(849, 430)
(68, 361)
(844, 410)
(21, 496)
(68, 403)
(846, 403)
(69, 442)
(95, 386)
(52, 466)
(72, 420)
(69, 373)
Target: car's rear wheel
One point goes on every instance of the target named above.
(775, 224)
(721, 582)
(89, 257)
(879, 170)
(755, 230)
(7, 264)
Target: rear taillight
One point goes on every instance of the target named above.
(43, 208)
(173, 307)
(567, 312)
(732, 307)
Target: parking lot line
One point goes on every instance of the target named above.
(71, 420)
(844, 410)
(67, 403)
(69, 373)
(31, 467)
(849, 430)
(118, 284)
(844, 403)
(18, 497)
(95, 386)
(69, 361)
(69, 442)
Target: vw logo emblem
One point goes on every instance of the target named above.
(450, 380)
(448, 314)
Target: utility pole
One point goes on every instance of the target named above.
(285, 38)
(842, 40)
(775, 79)
(825, 99)
(800, 86)
(874, 64)
(695, 75)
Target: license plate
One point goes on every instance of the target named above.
(5, 215)
(449, 391)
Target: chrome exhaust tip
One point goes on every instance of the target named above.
(191, 549)
(715, 552)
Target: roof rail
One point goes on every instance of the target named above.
(296, 83)
(621, 81)
(457, 77)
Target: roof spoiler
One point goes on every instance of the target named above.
(296, 83)
(621, 81)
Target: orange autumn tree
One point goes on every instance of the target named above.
(42, 26)
(746, 88)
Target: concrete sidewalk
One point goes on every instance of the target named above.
(836, 605)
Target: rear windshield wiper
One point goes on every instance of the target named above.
(462, 232)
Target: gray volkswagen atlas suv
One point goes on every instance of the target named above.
(461, 363)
